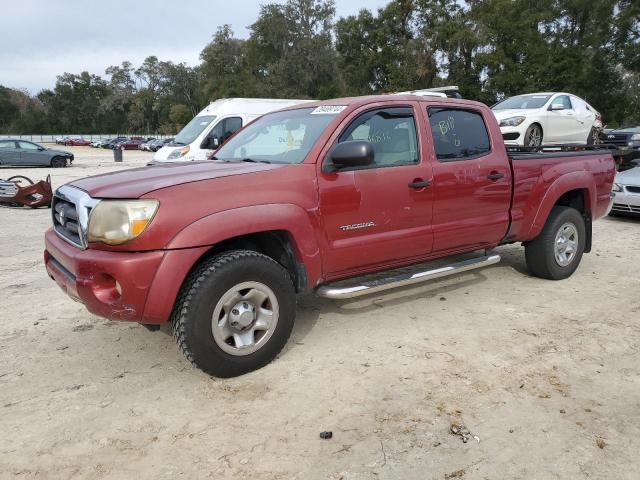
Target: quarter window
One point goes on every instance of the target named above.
(392, 131)
(458, 134)
(7, 144)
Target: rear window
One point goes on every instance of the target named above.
(458, 134)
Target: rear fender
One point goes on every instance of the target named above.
(570, 181)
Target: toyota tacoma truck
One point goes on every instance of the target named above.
(316, 197)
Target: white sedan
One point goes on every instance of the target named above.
(546, 119)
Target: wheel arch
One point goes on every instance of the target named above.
(574, 190)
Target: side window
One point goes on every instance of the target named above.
(7, 144)
(231, 125)
(458, 134)
(562, 101)
(28, 146)
(392, 131)
(223, 130)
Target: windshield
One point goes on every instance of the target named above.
(522, 101)
(194, 128)
(280, 137)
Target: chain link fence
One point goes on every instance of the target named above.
(41, 138)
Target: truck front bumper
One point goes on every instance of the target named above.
(113, 285)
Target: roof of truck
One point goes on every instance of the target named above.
(371, 99)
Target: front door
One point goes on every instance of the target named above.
(30, 154)
(471, 181)
(379, 214)
(562, 122)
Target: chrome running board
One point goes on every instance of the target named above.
(378, 285)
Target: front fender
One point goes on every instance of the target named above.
(297, 222)
(582, 180)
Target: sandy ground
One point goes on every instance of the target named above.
(545, 374)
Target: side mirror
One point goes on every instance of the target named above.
(41, 149)
(210, 143)
(355, 153)
(556, 107)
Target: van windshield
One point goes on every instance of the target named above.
(522, 102)
(279, 137)
(192, 129)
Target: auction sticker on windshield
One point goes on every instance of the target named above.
(328, 109)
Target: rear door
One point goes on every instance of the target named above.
(379, 214)
(471, 180)
(9, 153)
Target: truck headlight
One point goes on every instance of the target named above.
(178, 152)
(635, 137)
(115, 222)
(616, 188)
(512, 121)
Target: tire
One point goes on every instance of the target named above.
(204, 295)
(533, 136)
(58, 162)
(541, 253)
(594, 138)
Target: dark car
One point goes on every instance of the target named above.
(24, 153)
(627, 139)
(112, 143)
(155, 145)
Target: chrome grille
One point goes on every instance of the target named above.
(622, 208)
(620, 139)
(65, 220)
(70, 210)
(8, 189)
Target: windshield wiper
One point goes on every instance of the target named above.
(253, 160)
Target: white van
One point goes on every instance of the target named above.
(213, 125)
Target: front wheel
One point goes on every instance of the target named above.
(556, 253)
(58, 162)
(234, 313)
(533, 136)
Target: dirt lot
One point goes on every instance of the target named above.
(545, 374)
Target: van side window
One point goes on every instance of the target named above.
(458, 134)
(392, 131)
(222, 131)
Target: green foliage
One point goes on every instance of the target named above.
(491, 49)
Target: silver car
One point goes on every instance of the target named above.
(22, 153)
(627, 189)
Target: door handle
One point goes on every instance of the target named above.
(418, 184)
(495, 176)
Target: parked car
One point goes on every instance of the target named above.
(61, 139)
(546, 119)
(627, 193)
(624, 137)
(214, 125)
(146, 145)
(131, 144)
(77, 142)
(111, 143)
(20, 153)
(311, 198)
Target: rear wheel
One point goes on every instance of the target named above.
(556, 253)
(58, 162)
(533, 136)
(234, 313)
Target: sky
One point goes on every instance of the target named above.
(49, 37)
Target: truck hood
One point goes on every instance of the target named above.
(139, 181)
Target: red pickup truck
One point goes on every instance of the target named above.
(315, 198)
